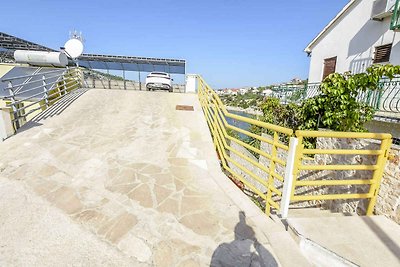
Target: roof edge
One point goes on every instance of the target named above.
(329, 25)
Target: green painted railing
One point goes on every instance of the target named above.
(395, 22)
(385, 99)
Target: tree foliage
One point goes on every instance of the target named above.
(335, 107)
(244, 101)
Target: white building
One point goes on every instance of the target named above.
(267, 92)
(242, 91)
(357, 37)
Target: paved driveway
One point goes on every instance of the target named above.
(122, 178)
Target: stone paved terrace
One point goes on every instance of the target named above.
(122, 178)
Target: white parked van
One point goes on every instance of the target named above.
(159, 80)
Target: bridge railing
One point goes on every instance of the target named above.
(30, 94)
(285, 172)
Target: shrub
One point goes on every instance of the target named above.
(335, 107)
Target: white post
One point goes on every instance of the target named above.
(13, 104)
(191, 83)
(288, 182)
(6, 128)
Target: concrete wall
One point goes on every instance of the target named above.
(353, 39)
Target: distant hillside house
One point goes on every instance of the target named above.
(362, 33)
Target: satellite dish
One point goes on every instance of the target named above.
(74, 48)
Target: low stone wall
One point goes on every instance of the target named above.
(242, 150)
(352, 206)
(279, 169)
(388, 202)
(257, 171)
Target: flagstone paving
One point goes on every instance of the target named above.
(121, 178)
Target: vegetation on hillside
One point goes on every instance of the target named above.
(244, 101)
(335, 107)
(105, 75)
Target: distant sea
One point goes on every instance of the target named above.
(240, 124)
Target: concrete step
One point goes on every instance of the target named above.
(347, 240)
(313, 213)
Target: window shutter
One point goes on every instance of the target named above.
(329, 66)
(382, 53)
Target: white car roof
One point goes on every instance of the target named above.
(158, 73)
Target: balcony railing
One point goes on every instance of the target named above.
(385, 99)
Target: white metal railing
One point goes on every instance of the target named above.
(32, 93)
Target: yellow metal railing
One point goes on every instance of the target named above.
(216, 114)
(284, 164)
(375, 168)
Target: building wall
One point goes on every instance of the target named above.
(353, 39)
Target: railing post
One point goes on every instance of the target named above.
(378, 173)
(64, 85)
(81, 77)
(13, 105)
(64, 90)
(288, 182)
(46, 95)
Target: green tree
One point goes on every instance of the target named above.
(336, 106)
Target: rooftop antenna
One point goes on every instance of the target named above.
(76, 35)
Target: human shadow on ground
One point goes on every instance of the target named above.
(244, 251)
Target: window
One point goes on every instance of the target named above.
(329, 66)
(382, 53)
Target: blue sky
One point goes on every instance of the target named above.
(230, 43)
